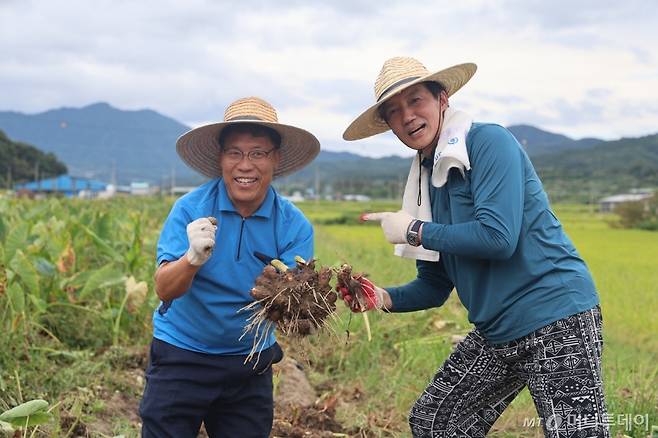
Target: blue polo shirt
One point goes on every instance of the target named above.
(501, 246)
(206, 317)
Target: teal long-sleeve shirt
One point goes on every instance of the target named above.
(501, 246)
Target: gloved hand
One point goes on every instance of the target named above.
(395, 225)
(201, 235)
(366, 296)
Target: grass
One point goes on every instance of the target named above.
(53, 349)
(407, 349)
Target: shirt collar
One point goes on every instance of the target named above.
(225, 204)
(427, 163)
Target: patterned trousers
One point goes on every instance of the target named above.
(560, 364)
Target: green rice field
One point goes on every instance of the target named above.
(76, 295)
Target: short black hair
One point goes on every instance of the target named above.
(254, 129)
(435, 88)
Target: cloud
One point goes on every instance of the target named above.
(577, 68)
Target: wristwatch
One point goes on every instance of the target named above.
(413, 238)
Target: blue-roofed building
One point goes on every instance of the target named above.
(65, 185)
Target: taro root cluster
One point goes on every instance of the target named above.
(297, 300)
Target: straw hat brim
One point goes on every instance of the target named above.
(369, 123)
(199, 148)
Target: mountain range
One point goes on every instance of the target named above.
(102, 142)
(106, 143)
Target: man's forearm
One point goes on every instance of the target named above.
(173, 279)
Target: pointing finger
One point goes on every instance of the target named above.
(375, 216)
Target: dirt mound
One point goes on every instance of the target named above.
(293, 388)
(304, 422)
(297, 410)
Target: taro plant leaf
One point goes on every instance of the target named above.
(104, 227)
(135, 251)
(103, 277)
(36, 212)
(58, 237)
(16, 239)
(24, 268)
(76, 281)
(24, 410)
(3, 230)
(44, 267)
(16, 297)
(40, 305)
(102, 244)
(31, 420)
(51, 237)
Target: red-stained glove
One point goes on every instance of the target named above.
(366, 298)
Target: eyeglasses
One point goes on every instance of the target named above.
(255, 156)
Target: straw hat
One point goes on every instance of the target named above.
(200, 149)
(396, 75)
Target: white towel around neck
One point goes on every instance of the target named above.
(450, 152)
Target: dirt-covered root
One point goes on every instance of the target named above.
(297, 300)
(347, 279)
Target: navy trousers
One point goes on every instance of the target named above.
(185, 388)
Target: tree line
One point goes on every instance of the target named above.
(21, 162)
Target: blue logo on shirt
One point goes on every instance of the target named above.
(453, 140)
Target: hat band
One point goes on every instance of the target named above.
(397, 84)
(244, 118)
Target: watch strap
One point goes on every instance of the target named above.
(415, 226)
(413, 237)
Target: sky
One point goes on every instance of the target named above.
(579, 68)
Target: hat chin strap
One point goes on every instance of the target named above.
(430, 148)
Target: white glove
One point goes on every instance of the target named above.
(201, 235)
(395, 225)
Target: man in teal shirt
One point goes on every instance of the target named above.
(476, 218)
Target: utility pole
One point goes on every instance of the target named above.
(317, 184)
(36, 175)
(173, 180)
(113, 177)
(591, 198)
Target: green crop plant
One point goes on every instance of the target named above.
(76, 293)
(29, 414)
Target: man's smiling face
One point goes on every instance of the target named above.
(248, 180)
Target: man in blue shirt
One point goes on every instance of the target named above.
(476, 218)
(210, 252)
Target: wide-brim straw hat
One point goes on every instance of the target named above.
(396, 75)
(200, 148)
